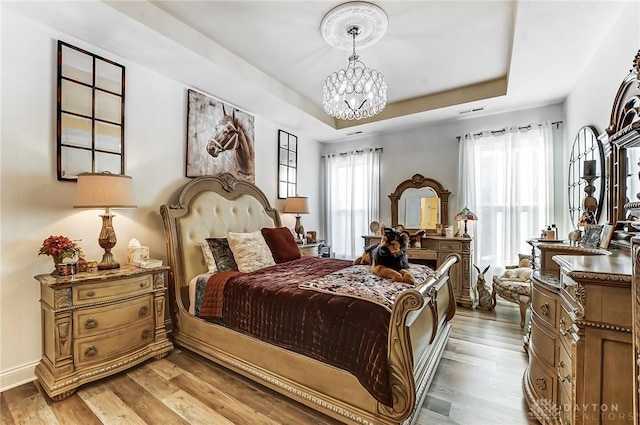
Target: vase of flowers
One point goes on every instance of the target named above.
(61, 249)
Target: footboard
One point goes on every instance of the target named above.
(418, 333)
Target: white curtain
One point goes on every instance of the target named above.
(351, 199)
(507, 180)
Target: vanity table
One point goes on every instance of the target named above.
(422, 203)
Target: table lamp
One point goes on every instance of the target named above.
(465, 214)
(297, 205)
(105, 190)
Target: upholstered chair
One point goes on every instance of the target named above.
(514, 285)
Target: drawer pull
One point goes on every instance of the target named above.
(544, 309)
(90, 294)
(144, 310)
(573, 329)
(90, 323)
(144, 284)
(560, 377)
(146, 334)
(541, 384)
(91, 351)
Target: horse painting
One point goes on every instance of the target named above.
(220, 139)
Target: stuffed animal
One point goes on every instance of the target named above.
(389, 258)
(485, 301)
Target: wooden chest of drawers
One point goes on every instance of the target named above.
(580, 343)
(98, 324)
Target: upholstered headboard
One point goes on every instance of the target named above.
(210, 207)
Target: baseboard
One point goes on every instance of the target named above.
(16, 376)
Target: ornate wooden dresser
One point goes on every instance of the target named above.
(581, 343)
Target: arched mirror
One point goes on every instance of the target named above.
(419, 203)
(586, 175)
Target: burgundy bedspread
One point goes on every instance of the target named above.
(348, 333)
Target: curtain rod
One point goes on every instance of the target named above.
(504, 130)
(356, 151)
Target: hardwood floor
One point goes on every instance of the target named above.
(478, 382)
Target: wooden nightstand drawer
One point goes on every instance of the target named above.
(542, 382)
(309, 250)
(544, 306)
(543, 344)
(98, 320)
(108, 290)
(110, 345)
(565, 371)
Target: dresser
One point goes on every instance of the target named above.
(580, 345)
(98, 324)
(433, 251)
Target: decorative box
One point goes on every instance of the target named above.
(137, 253)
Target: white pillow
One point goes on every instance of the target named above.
(250, 251)
(208, 257)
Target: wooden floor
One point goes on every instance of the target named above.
(478, 382)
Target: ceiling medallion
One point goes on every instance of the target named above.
(357, 91)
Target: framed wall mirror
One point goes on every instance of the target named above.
(287, 164)
(90, 113)
(586, 181)
(420, 203)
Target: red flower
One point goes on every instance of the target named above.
(58, 245)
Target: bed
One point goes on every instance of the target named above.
(415, 326)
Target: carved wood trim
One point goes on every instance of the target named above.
(418, 181)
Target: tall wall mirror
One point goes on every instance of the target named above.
(420, 203)
(622, 136)
(90, 113)
(586, 175)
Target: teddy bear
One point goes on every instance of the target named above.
(389, 258)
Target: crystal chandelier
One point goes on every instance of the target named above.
(355, 92)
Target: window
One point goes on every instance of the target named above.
(90, 114)
(352, 186)
(507, 180)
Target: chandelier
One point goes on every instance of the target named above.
(355, 92)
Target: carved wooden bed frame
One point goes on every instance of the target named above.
(418, 331)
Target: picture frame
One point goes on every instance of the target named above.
(220, 139)
(607, 234)
(592, 234)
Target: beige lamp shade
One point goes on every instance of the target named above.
(104, 190)
(296, 205)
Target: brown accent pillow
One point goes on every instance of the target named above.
(281, 243)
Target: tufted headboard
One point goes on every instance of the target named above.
(210, 207)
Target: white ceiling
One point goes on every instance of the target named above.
(269, 58)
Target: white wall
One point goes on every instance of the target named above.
(35, 205)
(591, 100)
(432, 150)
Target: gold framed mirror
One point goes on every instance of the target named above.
(420, 203)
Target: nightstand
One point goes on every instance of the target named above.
(309, 250)
(98, 324)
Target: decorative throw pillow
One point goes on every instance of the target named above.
(222, 254)
(281, 243)
(250, 251)
(208, 257)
